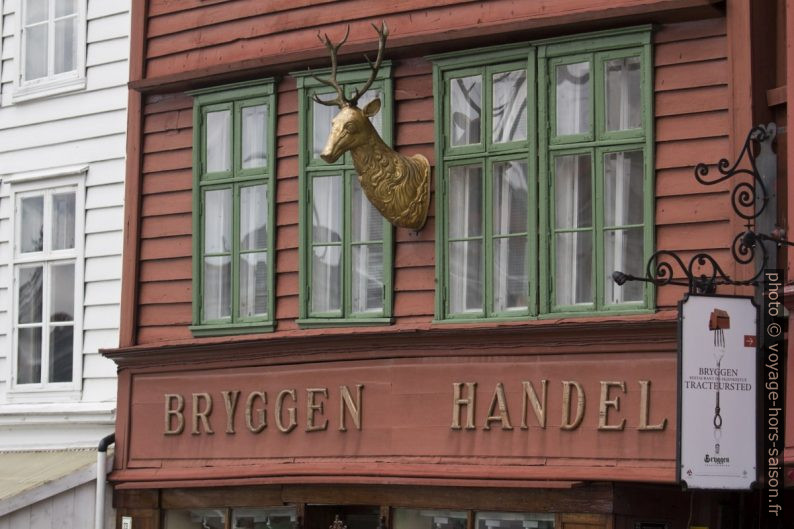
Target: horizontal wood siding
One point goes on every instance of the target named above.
(164, 310)
(195, 36)
(692, 95)
(691, 126)
(86, 127)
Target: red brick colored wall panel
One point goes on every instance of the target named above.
(692, 208)
(167, 181)
(163, 333)
(287, 284)
(287, 215)
(166, 269)
(693, 30)
(191, 37)
(677, 181)
(167, 203)
(692, 125)
(169, 120)
(706, 48)
(689, 153)
(165, 292)
(178, 224)
(170, 140)
(165, 248)
(710, 125)
(167, 161)
(158, 103)
(415, 254)
(172, 15)
(691, 102)
(287, 308)
(705, 236)
(287, 188)
(407, 279)
(166, 314)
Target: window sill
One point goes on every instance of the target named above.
(318, 323)
(589, 313)
(49, 89)
(22, 394)
(481, 319)
(228, 329)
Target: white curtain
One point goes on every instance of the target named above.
(219, 128)
(573, 98)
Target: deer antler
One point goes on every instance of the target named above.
(383, 33)
(340, 99)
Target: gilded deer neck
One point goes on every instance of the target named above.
(369, 155)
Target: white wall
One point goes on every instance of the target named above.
(73, 509)
(86, 127)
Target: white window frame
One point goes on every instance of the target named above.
(46, 183)
(52, 84)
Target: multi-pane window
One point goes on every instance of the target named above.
(233, 209)
(447, 519)
(52, 36)
(596, 162)
(346, 245)
(45, 264)
(242, 518)
(543, 197)
(488, 231)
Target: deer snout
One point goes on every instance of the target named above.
(327, 157)
(333, 148)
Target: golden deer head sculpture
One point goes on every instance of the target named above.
(398, 186)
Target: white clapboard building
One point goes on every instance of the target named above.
(63, 74)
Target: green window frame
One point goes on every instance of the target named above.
(234, 161)
(611, 140)
(341, 305)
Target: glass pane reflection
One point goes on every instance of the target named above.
(275, 518)
(428, 519)
(509, 520)
(196, 519)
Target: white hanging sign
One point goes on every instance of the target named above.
(717, 384)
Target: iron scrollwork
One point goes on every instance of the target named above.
(749, 198)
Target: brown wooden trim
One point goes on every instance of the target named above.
(385, 515)
(353, 473)
(124, 399)
(422, 43)
(136, 499)
(132, 198)
(259, 496)
(132, 189)
(652, 333)
(776, 96)
(741, 82)
(596, 498)
(139, 16)
(583, 519)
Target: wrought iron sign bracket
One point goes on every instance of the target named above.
(752, 199)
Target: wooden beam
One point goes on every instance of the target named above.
(741, 79)
(132, 188)
(776, 96)
(531, 20)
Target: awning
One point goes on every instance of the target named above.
(29, 477)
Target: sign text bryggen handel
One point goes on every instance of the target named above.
(205, 413)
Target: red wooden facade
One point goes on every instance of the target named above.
(706, 95)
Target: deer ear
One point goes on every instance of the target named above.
(372, 108)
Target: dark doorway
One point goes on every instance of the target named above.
(351, 516)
